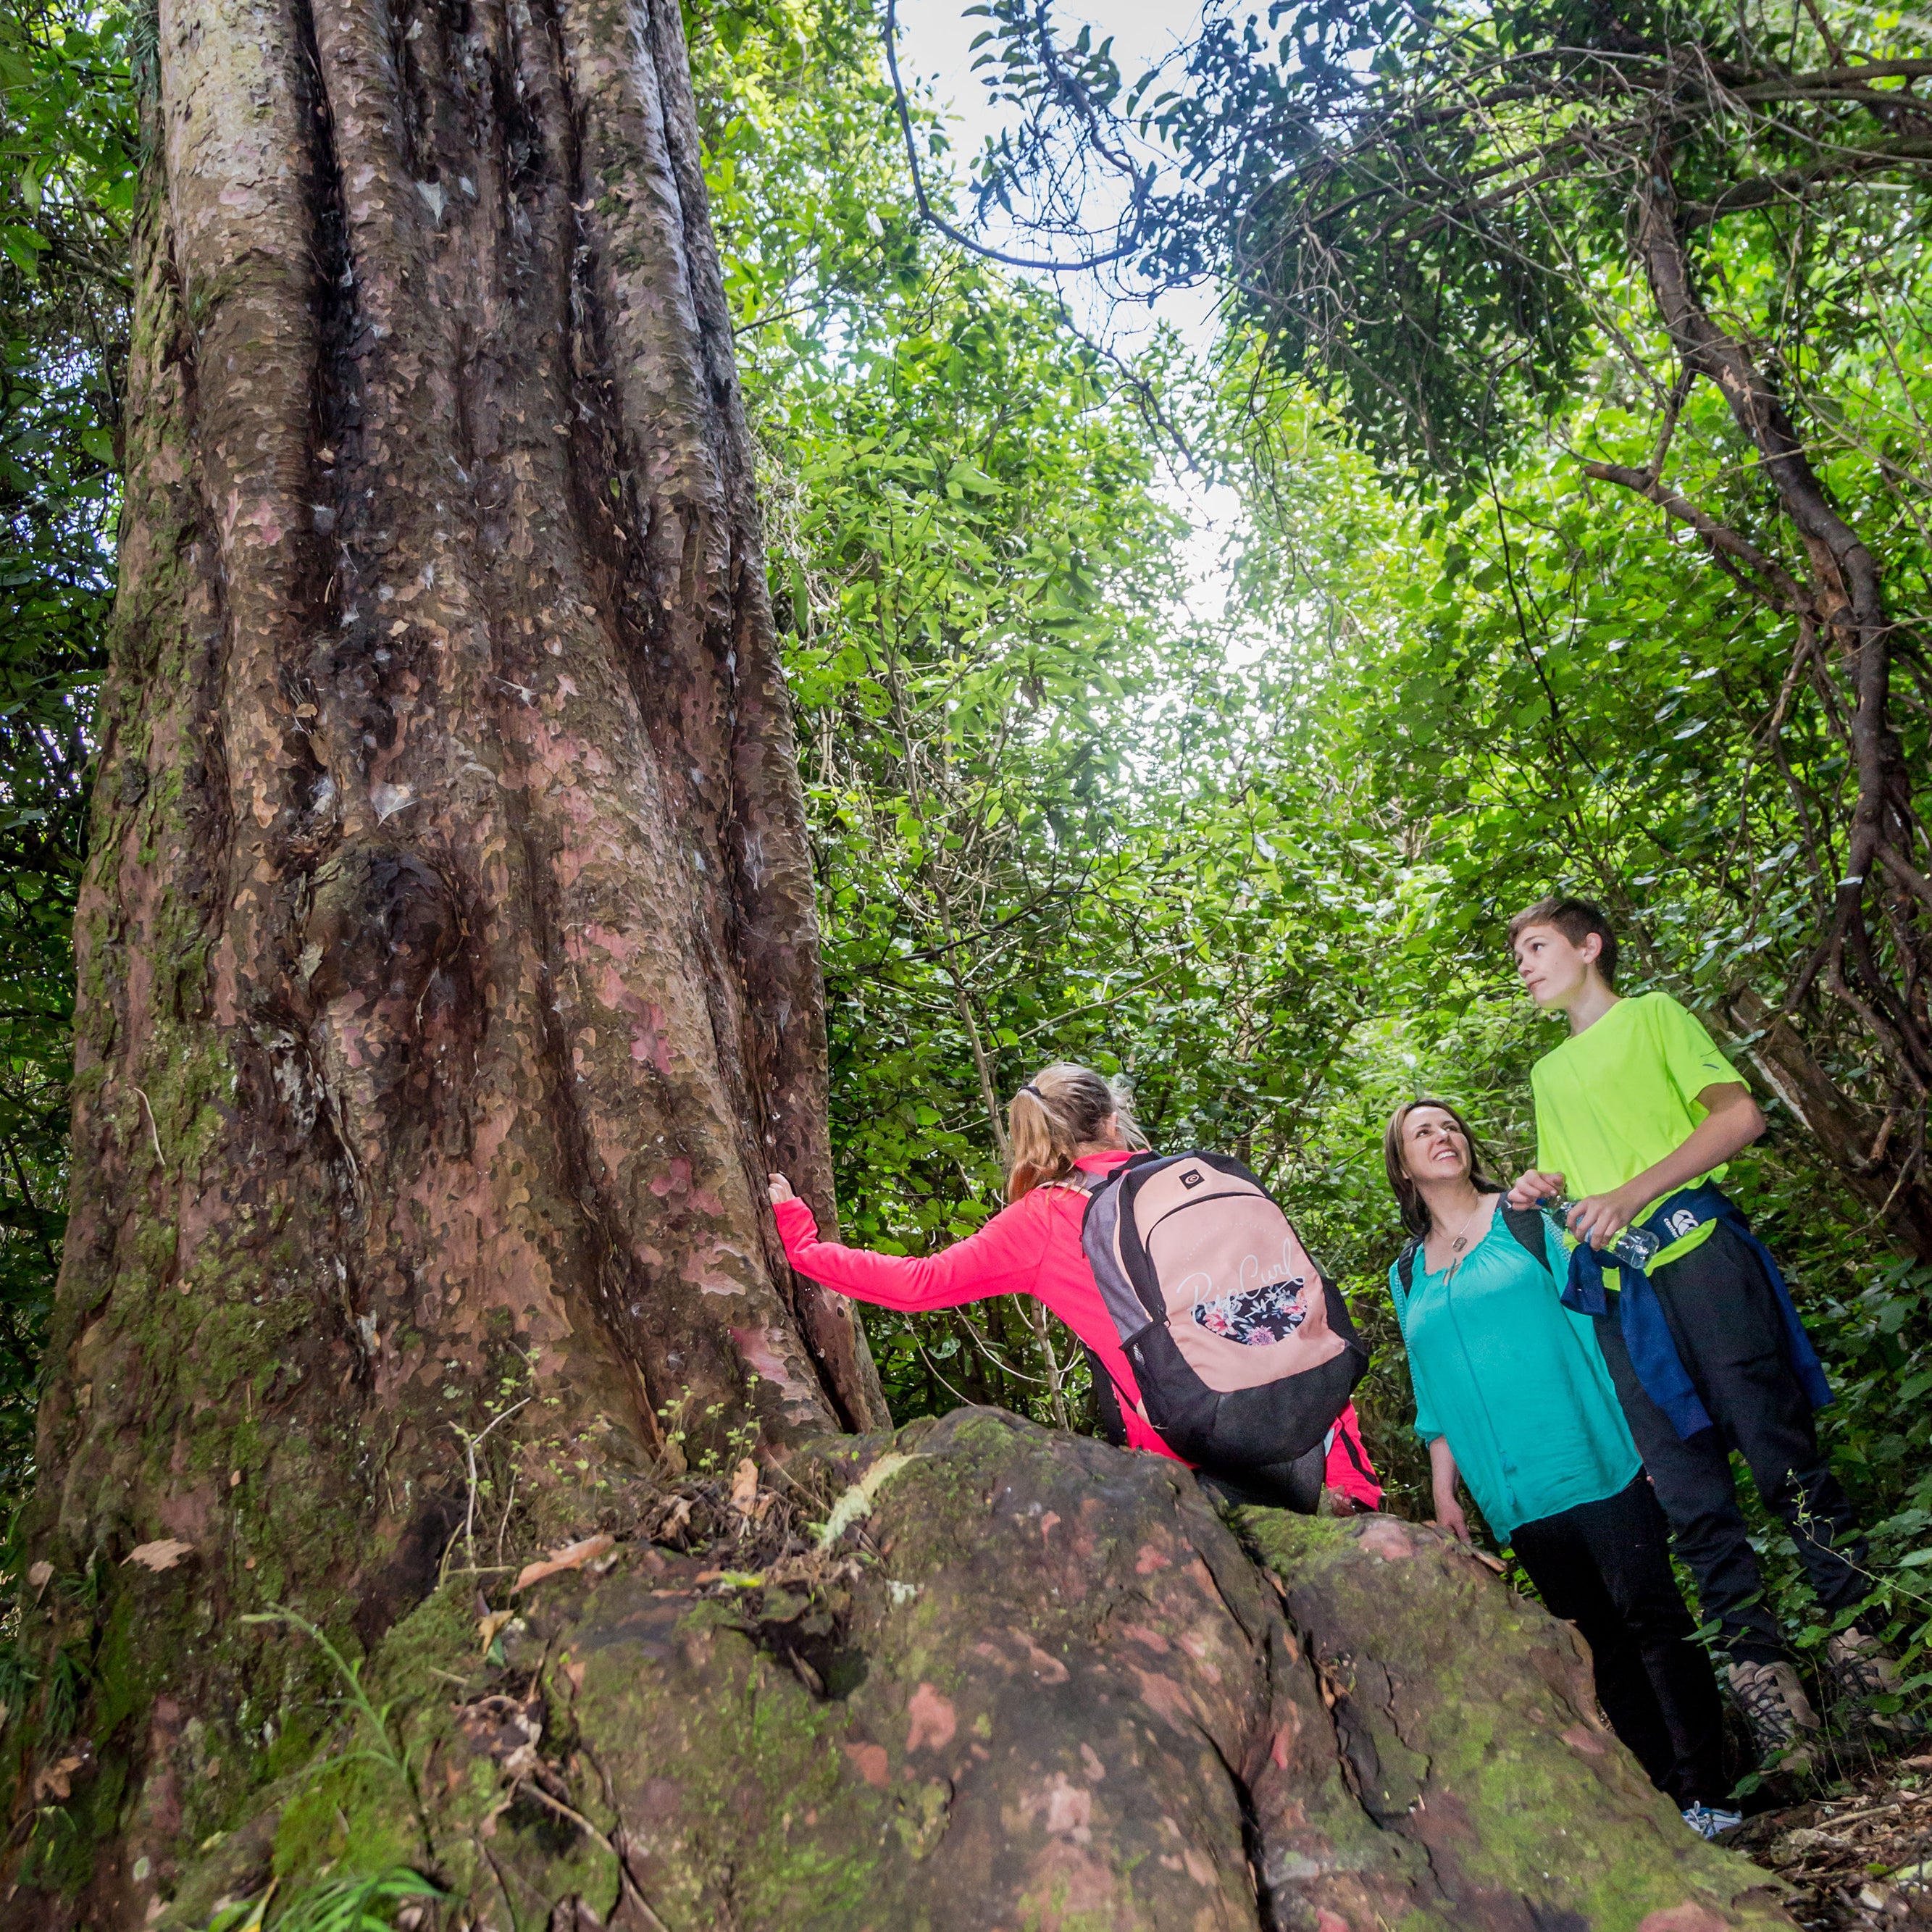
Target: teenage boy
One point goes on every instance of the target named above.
(1636, 1114)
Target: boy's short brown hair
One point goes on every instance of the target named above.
(1575, 920)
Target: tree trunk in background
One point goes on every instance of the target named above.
(447, 966)
(1876, 1164)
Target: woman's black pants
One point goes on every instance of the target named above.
(1606, 1567)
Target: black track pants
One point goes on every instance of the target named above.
(1606, 1567)
(1723, 1313)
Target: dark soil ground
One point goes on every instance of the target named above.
(1857, 1854)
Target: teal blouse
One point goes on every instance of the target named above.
(1514, 1381)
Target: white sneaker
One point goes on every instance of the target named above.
(1707, 1821)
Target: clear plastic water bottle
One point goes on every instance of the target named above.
(1633, 1248)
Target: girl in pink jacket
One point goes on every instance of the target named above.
(1066, 1120)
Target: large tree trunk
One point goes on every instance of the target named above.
(448, 985)
(448, 973)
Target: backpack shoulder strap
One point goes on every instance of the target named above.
(1405, 1263)
(1526, 1225)
(1348, 1442)
(1405, 1275)
(1082, 1183)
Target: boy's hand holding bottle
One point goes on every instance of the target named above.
(1603, 1220)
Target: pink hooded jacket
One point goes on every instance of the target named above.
(1031, 1248)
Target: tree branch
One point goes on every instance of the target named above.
(931, 216)
(1764, 191)
(1791, 596)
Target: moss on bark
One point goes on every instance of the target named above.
(1041, 1684)
(446, 958)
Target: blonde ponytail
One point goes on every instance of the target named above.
(1061, 1109)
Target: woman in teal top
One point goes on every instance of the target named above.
(1511, 1393)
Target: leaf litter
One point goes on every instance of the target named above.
(1860, 1858)
(783, 1546)
(162, 1555)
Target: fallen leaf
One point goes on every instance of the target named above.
(163, 1555)
(857, 1502)
(258, 1910)
(41, 1575)
(745, 1486)
(572, 1558)
(489, 1627)
(57, 1780)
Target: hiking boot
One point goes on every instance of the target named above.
(1707, 1821)
(1862, 1669)
(1783, 1725)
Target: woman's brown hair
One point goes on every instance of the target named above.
(1415, 1215)
(1061, 1109)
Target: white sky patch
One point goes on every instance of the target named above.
(1214, 510)
(936, 46)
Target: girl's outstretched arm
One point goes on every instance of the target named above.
(1003, 1258)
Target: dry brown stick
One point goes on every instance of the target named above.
(536, 1790)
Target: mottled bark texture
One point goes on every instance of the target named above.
(447, 966)
(1058, 1693)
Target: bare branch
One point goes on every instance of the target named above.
(933, 218)
(1789, 596)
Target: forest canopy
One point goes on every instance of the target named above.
(1514, 600)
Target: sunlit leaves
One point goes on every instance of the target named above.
(67, 154)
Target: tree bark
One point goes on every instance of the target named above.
(1859, 1147)
(1846, 598)
(1041, 1683)
(448, 974)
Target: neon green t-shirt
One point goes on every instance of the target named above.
(1618, 1096)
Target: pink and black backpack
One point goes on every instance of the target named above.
(1244, 1350)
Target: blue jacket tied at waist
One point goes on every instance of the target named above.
(1653, 1352)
